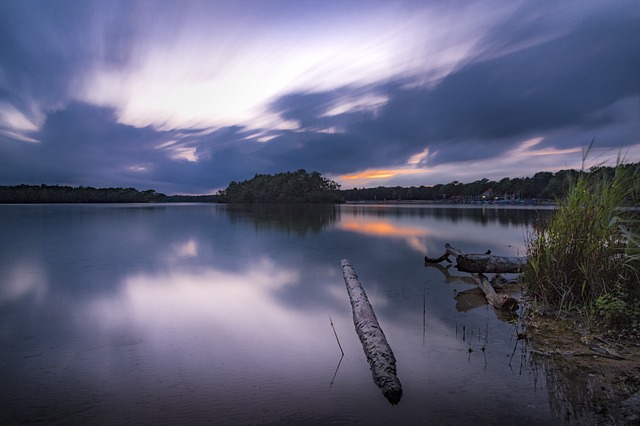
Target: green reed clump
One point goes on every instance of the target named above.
(586, 258)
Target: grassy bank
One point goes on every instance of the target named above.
(585, 261)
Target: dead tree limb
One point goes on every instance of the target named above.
(477, 265)
(378, 352)
(501, 301)
(480, 263)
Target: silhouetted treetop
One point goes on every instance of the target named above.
(68, 194)
(289, 187)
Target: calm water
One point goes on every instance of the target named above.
(183, 314)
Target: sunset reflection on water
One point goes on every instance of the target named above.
(380, 228)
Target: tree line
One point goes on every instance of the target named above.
(541, 186)
(311, 187)
(83, 194)
(31, 194)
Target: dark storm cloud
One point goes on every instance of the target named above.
(559, 83)
(305, 108)
(39, 49)
(46, 47)
(554, 84)
(84, 145)
(483, 107)
(80, 144)
(334, 143)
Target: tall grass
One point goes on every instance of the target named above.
(586, 258)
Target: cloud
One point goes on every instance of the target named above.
(84, 145)
(185, 98)
(79, 144)
(201, 64)
(579, 80)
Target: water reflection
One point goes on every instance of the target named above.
(474, 297)
(23, 280)
(231, 303)
(211, 313)
(298, 218)
(379, 227)
(187, 249)
(504, 215)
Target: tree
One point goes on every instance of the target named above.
(289, 187)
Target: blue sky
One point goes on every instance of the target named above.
(186, 96)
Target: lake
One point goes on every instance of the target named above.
(209, 313)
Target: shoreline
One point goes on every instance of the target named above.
(598, 376)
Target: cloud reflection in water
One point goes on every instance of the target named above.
(227, 304)
(23, 280)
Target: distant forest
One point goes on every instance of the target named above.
(85, 194)
(304, 187)
(542, 186)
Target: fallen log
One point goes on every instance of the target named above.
(374, 343)
(480, 263)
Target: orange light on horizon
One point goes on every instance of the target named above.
(383, 173)
(373, 174)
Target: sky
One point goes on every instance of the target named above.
(187, 96)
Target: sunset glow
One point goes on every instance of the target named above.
(383, 174)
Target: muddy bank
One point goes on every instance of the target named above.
(592, 379)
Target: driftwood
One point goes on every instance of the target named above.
(477, 265)
(502, 301)
(480, 263)
(378, 352)
(475, 297)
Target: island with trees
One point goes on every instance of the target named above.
(290, 187)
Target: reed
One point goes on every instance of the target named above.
(336, 334)
(586, 258)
